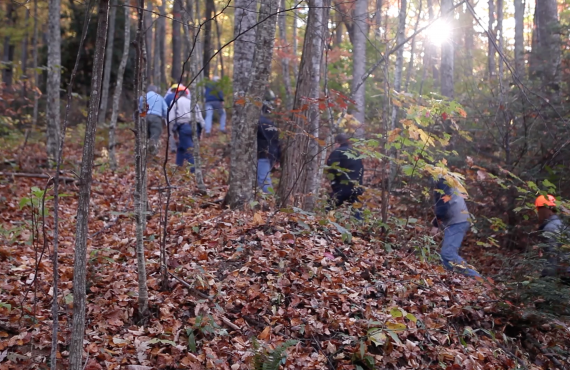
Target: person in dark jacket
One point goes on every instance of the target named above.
(214, 102)
(346, 172)
(451, 216)
(268, 151)
(552, 232)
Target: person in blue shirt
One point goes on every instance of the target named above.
(156, 111)
(451, 216)
(214, 102)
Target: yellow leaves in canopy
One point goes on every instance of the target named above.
(453, 179)
(349, 123)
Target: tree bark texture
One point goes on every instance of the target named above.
(301, 149)
(413, 48)
(469, 42)
(285, 58)
(141, 198)
(108, 62)
(176, 71)
(53, 79)
(25, 48)
(430, 59)
(447, 62)
(491, 65)
(359, 59)
(209, 12)
(35, 66)
(500, 40)
(8, 52)
(162, 51)
(247, 110)
(546, 53)
(244, 45)
(118, 89)
(86, 176)
(148, 35)
(519, 38)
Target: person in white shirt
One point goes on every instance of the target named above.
(180, 118)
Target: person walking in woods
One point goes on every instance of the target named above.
(452, 217)
(180, 118)
(156, 111)
(346, 172)
(214, 102)
(168, 98)
(552, 231)
(268, 151)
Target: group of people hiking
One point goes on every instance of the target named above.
(345, 170)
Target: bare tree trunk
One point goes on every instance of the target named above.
(108, 62)
(359, 60)
(339, 29)
(491, 48)
(519, 38)
(300, 150)
(500, 38)
(285, 60)
(244, 46)
(295, 44)
(546, 48)
(469, 42)
(79, 265)
(35, 66)
(401, 36)
(219, 38)
(8, 57)
(378, 17)
(209, 11)
(430, 51)
(54, 79)
(243, 159)
(447, 88)
(141, 198)
(413, 49)
(176, 70)
(148, 26)
(118, 89)
(162, 52)
(157, 50)
(25, 52)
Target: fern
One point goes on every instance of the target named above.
(269, 360)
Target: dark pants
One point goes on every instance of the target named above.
(185, 146)
(347, 194)
(154, 130)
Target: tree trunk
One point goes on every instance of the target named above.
(219, 38)
(176, 71)
(25, 51)
(430, 59)
(378, 17)
(108, 62)
(141, 198)
(401, 36)
(359, 60)
(295, 44)
(491, 67)
(339, 31)
(413, 49)
(209, 11)
(244, 45)
(53, 79)
(301, 150)
(35, 66)
(158, 53)
(285, 59)
(546, 48)
(148, 26)
(469, 42)
(86, 176)
(118, 89)
(8, 56)
(500, 38)
(447, 88)
(243, 161)
(162, 53)
(519, 38)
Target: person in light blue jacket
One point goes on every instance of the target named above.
(451, 216)
(156, 111)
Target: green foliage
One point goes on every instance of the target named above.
(266, 359)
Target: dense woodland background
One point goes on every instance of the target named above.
(161, 268)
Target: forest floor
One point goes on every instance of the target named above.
(242, 283)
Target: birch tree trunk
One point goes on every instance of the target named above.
(285, 59)
(141, 198)
(108, 62)
(447, 88)
(209, 10)
(359, 60)
(491, 66)
(519, 38)
(119, 88)
(244, 46)
(54, 79)
(86, 176)
(243, 160)
(35, 66)
(300, 150)
(176, 70)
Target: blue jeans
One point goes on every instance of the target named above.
(217, 106)
(263, 174)
(452, 239)
(185, 146)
